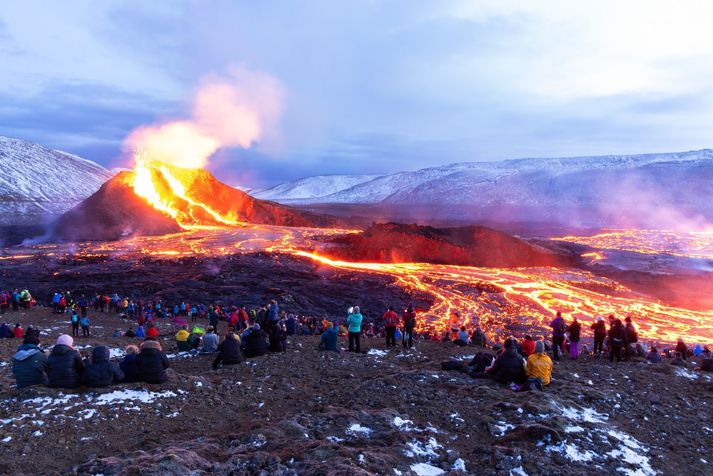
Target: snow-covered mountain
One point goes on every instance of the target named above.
(628, 190)
(37, 183)
(312, 187)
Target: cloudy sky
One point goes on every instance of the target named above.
(366, 86)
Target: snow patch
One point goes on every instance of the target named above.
(425, 469)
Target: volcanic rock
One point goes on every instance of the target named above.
(466, 246)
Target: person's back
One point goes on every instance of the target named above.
(140, 332)
(539, 365)
(653, 356)
(329, 339)
(228, 352)
(129, 364)
(210, 342)
(5, 331)
(29, 364)
(64, 364)
(278, 339)
(18, 332)
(100, 371)
(527, 347)
(354, 322)
(254, 342)
(478, 337)
(182, 343)
(509, 367)
(291, 326)
(152, 363)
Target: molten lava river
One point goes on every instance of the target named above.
(489, 297)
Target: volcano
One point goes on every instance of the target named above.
(159, 199)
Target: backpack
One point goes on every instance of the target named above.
(560, 326)
(631, 335)
(75, 318)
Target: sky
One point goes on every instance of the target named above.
(365, 86)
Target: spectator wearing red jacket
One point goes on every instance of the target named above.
(527, 347)
(18, 332)
(391, 322)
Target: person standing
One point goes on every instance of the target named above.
(630, 339)
(574, 330)
(617, 335)
(84, 322)
(74, 320)
(600, 333)
(409, 319)
(559, 327)
(391, 321)
(354, 324)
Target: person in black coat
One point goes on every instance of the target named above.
(254, 344)
(129, 364)
(509, 367)
(228, 352)
(617, 336)
(100, 371)
(152, 363)
(600, 333)
(64, 364)
(278, 339)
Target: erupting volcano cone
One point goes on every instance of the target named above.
(158, 199)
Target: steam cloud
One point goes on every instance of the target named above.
(233, 110)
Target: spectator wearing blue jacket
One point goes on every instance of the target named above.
(354, 326)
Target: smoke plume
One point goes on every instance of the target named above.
(233, 110)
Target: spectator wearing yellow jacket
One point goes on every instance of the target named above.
(182, 337)
(539, 364)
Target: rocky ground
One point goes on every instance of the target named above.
(382, 412)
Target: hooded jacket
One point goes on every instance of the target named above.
(329, 340)
(539, 365)
(228, 353)
(254, 343)
(210, 342)
(129, 366)
(65, 367)
(509, 367)
(29, 364)
(354, 322)
(100, 371)
(152, 363)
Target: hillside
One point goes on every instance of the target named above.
(634, 190)
(37, 183)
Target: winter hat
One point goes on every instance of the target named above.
(600, 318)
(256, 326)
(539, 347)
(64, 339)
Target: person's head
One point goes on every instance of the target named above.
(679, 355)
(184, 327)
(17, 325)
(510, 343)
(611, 317)
(462, 328)
(528, 338)
(600, 318)
(100, 354)
(209, 329)
(357, 310)
(559, 313)
(64, 339)
(391, 308)
(131, 350)
(151, 344)
(274, 301)
(32, 338)
(628, 319)
(654, 349)
(680, 340)
(539, 347)
(575, 318)
(256, 326)
(330, 326)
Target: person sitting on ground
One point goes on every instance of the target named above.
(228, 352)
(329, 339)
(152, 363)
(706, 365)
(278, 338)
(140, 332)
(706, 352)
(462, 338)
(478, 337)
(5, 331)
(682, 349)
(679, 361)
(182, 337)
(291, 325)
(527, 347)
(18, 332)
(29, 364)
(653, 357)
(210, 341)
(509, 366)
(129, 365)
(254, 344)
(130, 332)
(152, 332)
(64, 364)
(100, 371)
(539, 365)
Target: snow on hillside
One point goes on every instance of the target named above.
(648, 190)
(312, 187)
(37, 183)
